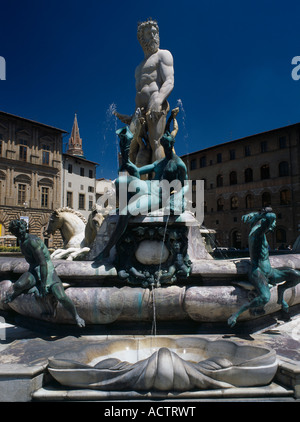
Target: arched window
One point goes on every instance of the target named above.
(280, 235)
(248, 175)
(285, 197)
(265, 172)
(233, 178)
(219, 180)
(234, 203)
(283, 169)
(266, 199)
(249, 201)
(220, 204)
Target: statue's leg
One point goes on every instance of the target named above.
(58, 291)
(23, 284)
(260, 281)
(156, 129)
(291, 278)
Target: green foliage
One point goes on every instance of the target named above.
(10, 249)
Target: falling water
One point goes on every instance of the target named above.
(185, 136)
(222, 253)
(157, 283)
(111, 125)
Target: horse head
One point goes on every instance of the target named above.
(55, 223)
(71, 225)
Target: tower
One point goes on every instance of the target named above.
(75, 142)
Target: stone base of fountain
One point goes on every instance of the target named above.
(214, 290)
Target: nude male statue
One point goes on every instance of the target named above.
(41, 278)
(154, 82)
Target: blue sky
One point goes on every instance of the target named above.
(232, 64)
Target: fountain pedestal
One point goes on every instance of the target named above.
(155, 249)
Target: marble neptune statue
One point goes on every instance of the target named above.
(154, 78)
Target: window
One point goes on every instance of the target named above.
(283, 169)
(70, 199)
(264, 146)
(23, 150)
(285, 197)
(70, 168)
(219, 157)
(219, 180)
(91, 174)
(280, 236)
(247, 151)
(21, 194)
(234, 203)
(81, 201)
(81, 171)
(266, 199)
(46, 154)
(193, 164)
(232, 154)
(249, 201)
(265, 172)
(202, 162)
(282, 142)
(248, 175)
(233, 178)
(45, 197)
(220, 204)
(91, 189)
(91, 203)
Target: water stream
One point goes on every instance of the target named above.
(157, 281)
(109, 133)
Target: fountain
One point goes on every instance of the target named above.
(152, 267)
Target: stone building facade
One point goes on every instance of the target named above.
(30, 173)
(244, 175)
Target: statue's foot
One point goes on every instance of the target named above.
(9, 298)
(123, 274)
(133, 271)
(285, 311)
(232, 321)
(80, 322)
(284, 305)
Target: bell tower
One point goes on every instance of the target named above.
(75, 142)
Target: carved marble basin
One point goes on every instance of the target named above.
(164, 364)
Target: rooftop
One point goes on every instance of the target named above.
(239, 139)
(4, 113)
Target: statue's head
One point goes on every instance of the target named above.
(124, 132)
(148, 36)
(167, 140)
(18, 227)
(265, 216)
